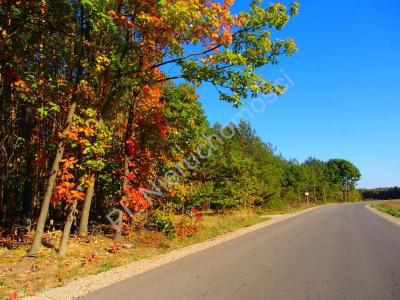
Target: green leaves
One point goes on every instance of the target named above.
(96, 12)
(46, 111)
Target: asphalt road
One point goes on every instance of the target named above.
(334, 252)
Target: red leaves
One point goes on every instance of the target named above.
(89, 257)
(135, 200)
(197, 214)
(13, 296)
(131, 176)
(131, 146)
(115, 248)
(150, 110)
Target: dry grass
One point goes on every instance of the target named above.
(391, 207)
(29, 276)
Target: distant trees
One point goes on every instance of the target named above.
(243, 171)
(381, 193)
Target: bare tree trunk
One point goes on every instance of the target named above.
(67, 229)
(27, 194)
(298, 198)
(83, 224)
(37, 240)
(118, 231)
(315, 194)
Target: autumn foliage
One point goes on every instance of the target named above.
(90, 112)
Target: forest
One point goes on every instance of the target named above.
(99, 114)
(386, 193)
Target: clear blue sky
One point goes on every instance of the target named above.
(345, 101)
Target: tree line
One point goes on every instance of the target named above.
(90, 118)
(386, 193)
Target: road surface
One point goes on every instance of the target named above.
(338, 251)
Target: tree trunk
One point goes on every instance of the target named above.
(315, 194)
(27, 194)
(128, 135)
(37, 240)
(67, 229)
(118, 230)
(83, 224)
(298, 198)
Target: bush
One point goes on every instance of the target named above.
(163, 221)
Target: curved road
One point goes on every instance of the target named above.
(338, 251)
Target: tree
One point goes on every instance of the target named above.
(343, 173)
(316, 178)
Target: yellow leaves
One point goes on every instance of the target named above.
(89, 181)
(112, 14)
(86, 90)
(21, 86)
(3, 33)
(101, 63)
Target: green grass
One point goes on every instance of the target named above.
(389, 207)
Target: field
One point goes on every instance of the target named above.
(391, 207)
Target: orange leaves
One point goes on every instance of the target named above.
(67, 190)
(72, 133)
(80, 131)
(21, 86)
(69, 163)
(122, 20)
(226, 37)
(135, 200)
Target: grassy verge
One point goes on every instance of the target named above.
(389, 207)
(95, 254)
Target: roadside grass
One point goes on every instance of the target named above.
(92, 255)
(391, 207)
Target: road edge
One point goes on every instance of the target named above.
(86, 285)
(386, 216)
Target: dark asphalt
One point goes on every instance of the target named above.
(338, 251)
